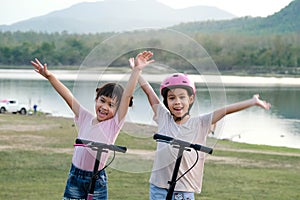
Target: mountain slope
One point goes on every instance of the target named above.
(287, 20)
(116, 15)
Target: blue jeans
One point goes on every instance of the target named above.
(78, 184)
(157, 193)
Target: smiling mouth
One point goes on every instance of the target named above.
(178, 109)
(101, 113)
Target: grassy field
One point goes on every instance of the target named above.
(36, 152)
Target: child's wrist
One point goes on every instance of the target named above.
(254, 101)
(137, 68)
(49, 76)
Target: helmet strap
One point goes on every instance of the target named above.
(176, 119)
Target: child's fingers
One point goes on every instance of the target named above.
(150, 61)
(140, 55)
(39, 63)
(36, 66)
(268, 105)
(147, 54)
(131, 62)
(33, 64)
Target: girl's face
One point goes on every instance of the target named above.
(179, 101)
(106, 108)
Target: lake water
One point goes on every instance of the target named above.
(279, 126)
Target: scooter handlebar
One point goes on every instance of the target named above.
(101, 145)
(197, 147)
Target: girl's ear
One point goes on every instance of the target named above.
(192, 98)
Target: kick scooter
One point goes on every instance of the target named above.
(181, 145)
(100, 148)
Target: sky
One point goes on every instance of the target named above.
(12, 11)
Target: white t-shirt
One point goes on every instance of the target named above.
(104, 132)
(195, 131)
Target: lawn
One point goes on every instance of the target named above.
(36, 152)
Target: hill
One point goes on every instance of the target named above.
(116, 15)
(287, 20)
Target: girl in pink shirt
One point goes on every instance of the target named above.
(111, 106)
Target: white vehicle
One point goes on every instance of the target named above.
(12, 106)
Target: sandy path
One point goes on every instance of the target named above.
(28, 142)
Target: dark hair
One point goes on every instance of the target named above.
(112, 90)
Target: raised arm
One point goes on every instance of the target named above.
(142, 59)
(255, 101)
(64, 92)
(151, 95)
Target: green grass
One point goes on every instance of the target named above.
(34, 164)
(252, 176)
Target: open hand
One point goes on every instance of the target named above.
(261, 103)
(141, 60)
(40, 68)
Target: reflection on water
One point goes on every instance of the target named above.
(279, 127)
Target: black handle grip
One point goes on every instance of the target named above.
(102, 145)
(118, 148)
(202, 148)
(81, 141)
(162, 137)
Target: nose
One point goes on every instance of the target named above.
(177, 101)
(104, 106)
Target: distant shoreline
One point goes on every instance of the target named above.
(212, 80)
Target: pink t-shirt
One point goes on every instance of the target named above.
(104, 132)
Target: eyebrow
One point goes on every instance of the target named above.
(110, 100)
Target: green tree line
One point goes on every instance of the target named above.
(251, 53)
(230, 51)
(18, 48)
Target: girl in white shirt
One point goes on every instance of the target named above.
(174, 120)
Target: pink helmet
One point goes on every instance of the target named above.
(178, 80)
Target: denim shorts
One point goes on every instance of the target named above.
(78, 184)
(157, 193)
